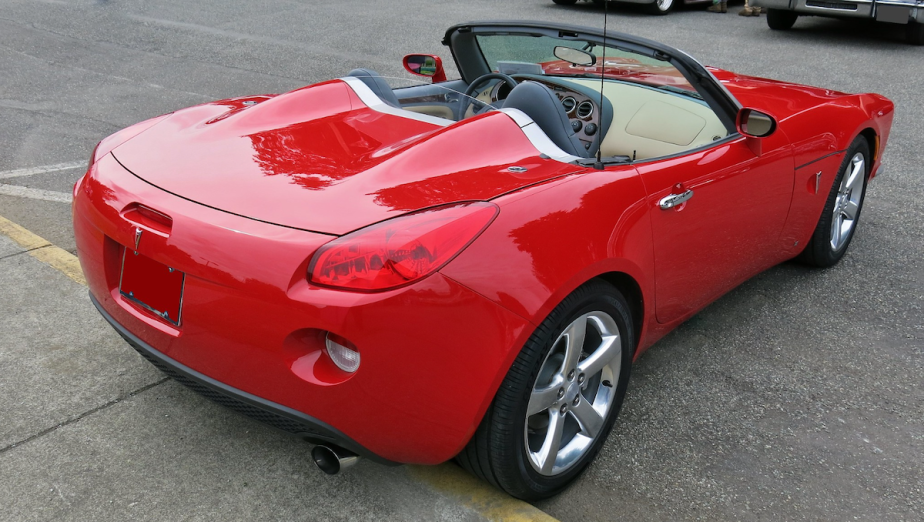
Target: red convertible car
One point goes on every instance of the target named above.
(465, 268)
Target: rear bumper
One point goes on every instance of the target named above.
(259, 409)
(837, 8)
(843, 8)
(433, 353)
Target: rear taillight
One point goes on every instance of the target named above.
(401, 250)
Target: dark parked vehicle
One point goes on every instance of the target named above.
(782, 14)
(656, 7)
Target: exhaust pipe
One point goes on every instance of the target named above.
(332, 459)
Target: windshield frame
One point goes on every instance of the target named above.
(471, 63)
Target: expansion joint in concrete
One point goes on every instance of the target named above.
(87, 413)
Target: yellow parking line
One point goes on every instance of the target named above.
(447, 479)
(490, 503)
(41, 249)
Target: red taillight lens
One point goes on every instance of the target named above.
(401, 250)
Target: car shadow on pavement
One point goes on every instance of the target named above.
(847, 31)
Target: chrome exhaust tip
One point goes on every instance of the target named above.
(332, 459)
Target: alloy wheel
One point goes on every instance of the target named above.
(847, 201)
(573, 393)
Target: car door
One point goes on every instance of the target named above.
(727, 230)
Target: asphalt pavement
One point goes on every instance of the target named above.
(797, 396)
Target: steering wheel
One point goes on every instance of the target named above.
(473, 88)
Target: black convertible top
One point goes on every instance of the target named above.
(567, 30)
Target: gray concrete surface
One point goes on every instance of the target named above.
(90, 431)
(9, 248)
(59, 358)
(796, 397)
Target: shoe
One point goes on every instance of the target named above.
(755, 11)
(721, 7)
(747, 11)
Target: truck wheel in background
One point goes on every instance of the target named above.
(781, 20)
(914, 33)
(660, 7)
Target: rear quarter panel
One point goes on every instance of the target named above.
(551, 238)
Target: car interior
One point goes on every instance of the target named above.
(647, 110)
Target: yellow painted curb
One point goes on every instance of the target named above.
(447, 479)
(41, 249)
(490, 503)
(26, 239)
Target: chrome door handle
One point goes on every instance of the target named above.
(673, 200)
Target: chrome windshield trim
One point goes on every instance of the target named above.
(537, 137)
(375, 103)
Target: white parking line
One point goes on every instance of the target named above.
(41, 170)
(34, 193)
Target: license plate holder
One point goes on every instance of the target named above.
(153, 286)
(895, 14)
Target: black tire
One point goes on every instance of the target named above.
(498, 451)
(819, 251)
(781, 20)
(565, 2)
(661, 8)
(914, 33)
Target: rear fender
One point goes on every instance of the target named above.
(550, 239)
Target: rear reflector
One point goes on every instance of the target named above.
(342, 352)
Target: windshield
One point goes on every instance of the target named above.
(525, 54)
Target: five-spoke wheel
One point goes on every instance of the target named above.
(841, 214)
(847, 201)
(573, 393)
(560, 397)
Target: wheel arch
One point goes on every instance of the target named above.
(632, 291)
(872, 139)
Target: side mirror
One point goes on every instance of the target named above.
(425, 65)
(755, 124)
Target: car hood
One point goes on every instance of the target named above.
(319, 159)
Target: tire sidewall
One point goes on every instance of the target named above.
(781, 20)
(655, 9)
(821, 242)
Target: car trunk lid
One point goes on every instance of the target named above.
(319, 159)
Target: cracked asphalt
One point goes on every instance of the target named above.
(797, 396)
